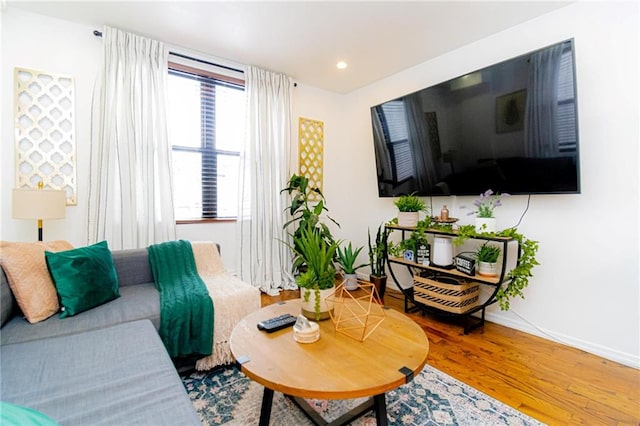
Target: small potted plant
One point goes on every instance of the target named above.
(485, 204)
(408, 208)
(347, 260)
(487, 256)
(377, 258)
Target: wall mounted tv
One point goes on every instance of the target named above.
(511, 127)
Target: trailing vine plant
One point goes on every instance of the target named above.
(518, 277)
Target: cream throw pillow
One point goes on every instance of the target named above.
(29, 278)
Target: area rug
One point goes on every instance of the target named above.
(225, 396)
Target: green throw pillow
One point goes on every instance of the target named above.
(84, 277)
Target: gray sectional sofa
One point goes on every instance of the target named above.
(107, 365)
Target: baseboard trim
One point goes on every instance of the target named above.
(624, 358)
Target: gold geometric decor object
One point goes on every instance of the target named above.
(311, 152)
(356, 313)
(45, 141)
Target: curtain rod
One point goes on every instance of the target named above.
(202, 61)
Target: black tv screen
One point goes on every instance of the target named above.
(511, 127)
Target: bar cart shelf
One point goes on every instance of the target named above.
(447, 291)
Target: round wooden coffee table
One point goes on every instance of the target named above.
(335, 367)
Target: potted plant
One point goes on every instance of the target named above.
(487, 256)
(409, 207)
(304, 213)
(347, 260)
(318, 279)
(485, 204)
(377, 259)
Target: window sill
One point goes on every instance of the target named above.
(205, 220)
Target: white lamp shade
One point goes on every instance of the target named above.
(39, 204)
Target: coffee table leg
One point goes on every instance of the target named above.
(265, 411)
(380, 407)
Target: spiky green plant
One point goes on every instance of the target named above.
(488, 253)
(378, 251)
(347, 258)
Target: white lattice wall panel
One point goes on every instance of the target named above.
(311, 151)
(45, 131)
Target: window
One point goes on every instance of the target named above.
(206, 116)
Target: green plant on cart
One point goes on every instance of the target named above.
(487, 253)
(410, 203)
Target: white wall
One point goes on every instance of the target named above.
(586, 290)
(58, 47)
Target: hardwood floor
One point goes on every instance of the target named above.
(553, 383)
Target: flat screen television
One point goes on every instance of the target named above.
(511, 127)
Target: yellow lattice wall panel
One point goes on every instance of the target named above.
(311, 151)
(45, 131)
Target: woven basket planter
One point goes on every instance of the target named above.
(451, 296)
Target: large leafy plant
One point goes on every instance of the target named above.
(306, 213)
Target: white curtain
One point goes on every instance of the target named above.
(263, 259)
(130, 194)
(541, 136)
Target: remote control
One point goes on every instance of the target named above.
(277, 323)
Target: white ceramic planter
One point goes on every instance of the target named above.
(485, 224)
(351, 282)
(309, 307)
(488, 269)
(408, 219)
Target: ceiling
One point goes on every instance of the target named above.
(305, 39)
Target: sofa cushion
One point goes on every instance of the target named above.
(119, 375)
(30, 282)
(136, 302)
(132, 266)
(84, 277)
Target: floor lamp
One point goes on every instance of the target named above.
(39, 204)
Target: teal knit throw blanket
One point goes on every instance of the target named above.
(186, 310)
